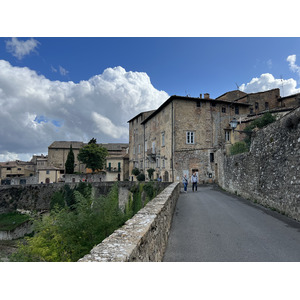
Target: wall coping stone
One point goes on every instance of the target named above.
(144, 236)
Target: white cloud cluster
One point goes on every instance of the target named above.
(267, 82)
(36, 111)
(20, 48)
(292, 63)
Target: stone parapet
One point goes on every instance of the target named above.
(144, 237)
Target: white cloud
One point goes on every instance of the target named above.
(292, 63)
(63, 71)
(267, 81)
(36, 111)
(21, 48)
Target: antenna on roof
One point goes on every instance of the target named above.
(187, 95)
(237, 86)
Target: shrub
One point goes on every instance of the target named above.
(238, 147)
(141, 177)
(135, 171)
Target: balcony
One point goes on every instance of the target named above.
(111, 169)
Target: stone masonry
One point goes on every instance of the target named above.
(270, 173)
(144, 237)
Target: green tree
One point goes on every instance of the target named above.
(141, 177)
(69, 165)
(135, 171)
(150, 173)
(93, 155)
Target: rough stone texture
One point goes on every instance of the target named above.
(144, 237)
(38, 197)
(270, 172)
(18, 232)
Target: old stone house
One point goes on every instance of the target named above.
(181, 136)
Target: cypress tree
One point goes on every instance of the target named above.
(70, 162)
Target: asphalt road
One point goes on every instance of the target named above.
(213, 226)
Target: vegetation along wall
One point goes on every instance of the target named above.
(270, 172)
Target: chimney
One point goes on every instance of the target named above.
(206, 96)
(200, 96)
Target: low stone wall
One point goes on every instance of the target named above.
(270, 173)
(144, 237)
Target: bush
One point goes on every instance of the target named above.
(238, 147)
(141, 177)
(135, 171)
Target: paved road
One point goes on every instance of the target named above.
(213, 226)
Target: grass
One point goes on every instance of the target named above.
(10, 221)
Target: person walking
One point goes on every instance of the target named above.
(194, 181)
(185, 182)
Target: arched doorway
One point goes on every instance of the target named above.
(166, 176)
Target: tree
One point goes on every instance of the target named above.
(141, 177)
(150, 173)
(135, 171)
(69, 165)
(93, 155)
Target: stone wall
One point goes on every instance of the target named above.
(38, 197)
(144, 237)
(270, 173)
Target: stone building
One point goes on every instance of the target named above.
(117, 161)
(181, 136)
(16, 168)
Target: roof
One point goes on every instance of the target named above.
(232, 92)
(290, 96)
(78, 145)
(190, 99)
(66, 144)
(15, 163)
(142, 113)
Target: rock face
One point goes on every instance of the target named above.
(144, 237)
(270, 172)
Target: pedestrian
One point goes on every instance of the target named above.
(159, 179)
(185, 182)
(194, 181)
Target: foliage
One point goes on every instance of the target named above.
(141, 177)
(70, 232)
(69, 165)
(238, 147)
(150, 173)
(261, 122)
(10, 221)
(135, 171)
(57, 200)
(93, 155)
(67, 235)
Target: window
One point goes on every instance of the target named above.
(139, 148)
(141, 164)
(146, 146)
(198, 104)
(153, 147)
(266, 105)
(256, 105)
(163, 163)
(237, 111)
(251, 111)
(47, 172)
(212, 157)
(109, 166)
(223, 109)
(162, 139)
(213, 104)
(8, 169)
(190, 137)
(157, 162)
(227, 135)
(133, 150)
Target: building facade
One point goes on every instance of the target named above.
(181, 137)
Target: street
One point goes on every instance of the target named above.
(211, 225)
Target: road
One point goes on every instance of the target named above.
(211, 225)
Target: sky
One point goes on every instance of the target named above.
(72, 85)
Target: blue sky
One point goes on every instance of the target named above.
(83, 71)
(78, 88)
